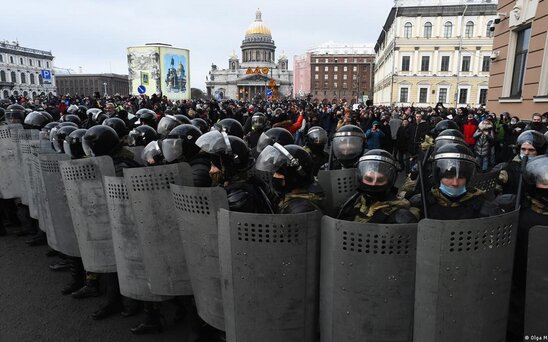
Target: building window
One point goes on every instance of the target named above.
(2, 76)
(469, 29)
(488, 32)
(428, 30)
(325, 84)
(30, 62)
(445, 63)
(465, 64)
(442, 96)
(404, 94)
(40, 64)
(354, 76)
(345, 85)
(483, 96)
(316, 77)
(345, 68)
(448, 30)
(1, 58)
(31, 77)
(486, 62)
(407, 30)
(405, 62)
(327, 60)
(11, 59)
(317, 60)
(425, 63)
(335, 85)
(345, 77)
(316, 68)
(13, 77)
(316, 84)
(423, 95)
(326, 77)
(346, 61)
(326, 69)
(335, 76)
(21, 61)
(335, 68)
(47, 64)
(520, 60)
(354, 68)
(463, 96)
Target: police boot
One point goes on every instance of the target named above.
(114, 298)
(131, 307)
(152, 323)
(90, 289)
(39, 239)
(78, 276)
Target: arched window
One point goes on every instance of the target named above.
(6, 94)
(31, 76)
(23, 78)
(428, 30)
(407, 30)
(448, 30)
(13, 78)
(2, 76)
(469, 30)
(488, 31)
(25, 93)
(1, 58)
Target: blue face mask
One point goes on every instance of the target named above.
(452, 192)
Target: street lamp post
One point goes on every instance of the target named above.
(105, 85)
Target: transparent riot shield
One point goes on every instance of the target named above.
(463, 278)
(338, 186)
(270, 269)
(127, 247)
(156, 222)
(10, 174)
(39, 196)
(60, 224)
(367, 283)
(197, 212)
(536, 296)
(83, 180)
(137, 154)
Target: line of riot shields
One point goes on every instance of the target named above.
(268, 277)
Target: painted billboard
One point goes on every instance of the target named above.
(159, 69)
(174, 64)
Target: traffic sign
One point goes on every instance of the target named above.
(46, 75)
(141, 89)
(268, 92)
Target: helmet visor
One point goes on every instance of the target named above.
(213, 142)
(271, 159)
(88, 148)
(172, 149)
(135, 138)
(317, 136)
(151, 152)
(347, 147)
(376, 174)
(264, 141)
(454, 168)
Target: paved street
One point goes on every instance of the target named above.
(33, 309)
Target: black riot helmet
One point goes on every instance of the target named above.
(201, 124)
(274, 135)
(73, 144)
(147, 117)
(46, 114)
(2, 114)
(183, 118)
(376, 172)
(72, 109)
(348, 144)
(36, 120)
(316, 138)
(442, 126)
(292, 161)
(534, 138)
(449, 136)
(453, 161)
(96, 115)
(15, 114)
(230, 126)
(58, 137)
(258, 121)
(536, 178)
(59, 125)
(118, 125)
(71, 118)
(100, 141)
(166, 124)
(46, 130)
(180, 143)
(228, 153)
(141, 136)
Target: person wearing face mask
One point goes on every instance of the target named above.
(536, 124)
(315, 141)
(376, 200)
(453, 167)
(529, 143)
(292, 178)
(469, 128)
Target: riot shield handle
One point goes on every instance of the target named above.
(524, 160)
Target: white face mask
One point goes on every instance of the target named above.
(513, 122)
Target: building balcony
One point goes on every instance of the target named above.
(7, 84)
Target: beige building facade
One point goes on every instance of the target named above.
(519, 74)
(435, 51)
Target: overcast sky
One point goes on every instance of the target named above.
(94, 34)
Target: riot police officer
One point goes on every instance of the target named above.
(376, 201)
(453, 167)
(347, 147)
(292, 177)
(273, 135)
(315, 141)
(258, 126)
(230, 126)
(141, 136)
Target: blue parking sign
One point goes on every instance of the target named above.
(46, 75)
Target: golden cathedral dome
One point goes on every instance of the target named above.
(258, 27)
